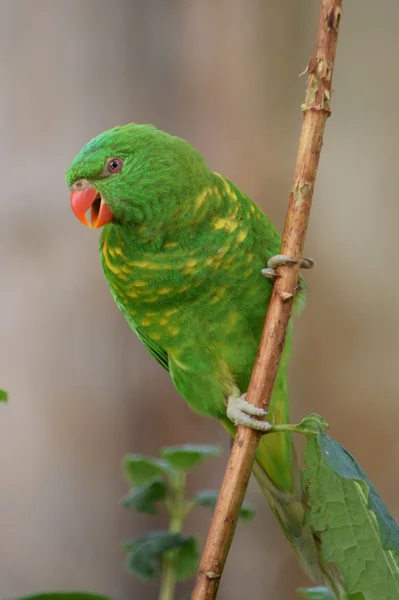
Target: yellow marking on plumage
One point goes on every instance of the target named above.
(190, 262)
(156, 336)
(222, 251)
(132, 294)
(173, 330)
(209, 261)
(181, 365)
(164, 290)
(200, 199)
(126, 269)
(150, 314)
(231, 193)
(226, 186)
(184, 288)
(170, 244)
(163, 321)
(150, 299)
(232, 318)
(171, 312)
(110, 251)
(139, 283)
(218, 223)
(216, 192)
(218, 295)
(247, 272)
(252, 208)
(226, 376)
(144, 264)
(222, 223)
(241, 235)
(118, 250)
(234, 210)
(112, 267)
(250, 257)
(146, 322)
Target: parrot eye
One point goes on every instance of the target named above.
(114, 165)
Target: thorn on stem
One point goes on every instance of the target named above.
(286, 296)
(212, 575)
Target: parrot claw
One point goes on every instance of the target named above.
(241, 412)
(279, 260)
(269, 273)
(307, 263)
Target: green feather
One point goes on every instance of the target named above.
(155, 350)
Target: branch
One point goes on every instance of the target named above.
(316, 110)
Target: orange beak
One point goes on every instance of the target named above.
(89, 198)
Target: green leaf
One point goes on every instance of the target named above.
(188, 456)
(208, 498)
(3, 396)
(317, 593)
(356, 531)
(187, 559)
(145, 554)
(140, 469)
(65, 596)
(144, 498)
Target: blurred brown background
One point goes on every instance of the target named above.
(83, 391)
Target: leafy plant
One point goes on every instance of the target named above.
(161, 481)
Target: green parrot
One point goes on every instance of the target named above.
(190, 262)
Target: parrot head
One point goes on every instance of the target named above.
(134, 174)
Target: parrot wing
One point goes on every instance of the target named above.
(152, 347)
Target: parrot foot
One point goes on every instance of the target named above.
(241, 412)
(279, 260)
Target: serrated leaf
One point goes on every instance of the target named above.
(65, 596)
(208, 498)
(146, 552)
(317, 593)
(357, 532)
(139, 469)
(3, 396)
(188, 456)
(144, 498)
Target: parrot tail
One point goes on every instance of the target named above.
(279, 476)
(289, 510)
